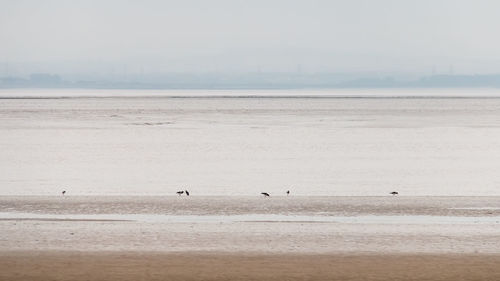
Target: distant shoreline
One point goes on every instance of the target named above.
(245, 97)
(252, 93)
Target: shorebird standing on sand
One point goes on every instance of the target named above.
(180, 192)
(265, 194)
(287, 192)
(63, 192)
(187, 192)
(394, 193)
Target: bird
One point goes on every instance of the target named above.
(287, 192)
(265, 194)
(187, 192)
(394, 193)
(63, 192)
(180, 192)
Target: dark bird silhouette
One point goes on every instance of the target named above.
(287, 192)
(265, 194)
(63, 192)
(394, 193)
(180, 192)
(187, 192)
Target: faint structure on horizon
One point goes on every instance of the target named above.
(394, 193)
(180, 192)
(265, 194)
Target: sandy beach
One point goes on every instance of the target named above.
(249, 238)
(78, 266)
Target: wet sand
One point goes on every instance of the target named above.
(240, 205)
(290, 225)
(59, 266)
(249, 238)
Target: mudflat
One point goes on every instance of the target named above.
(123, 266)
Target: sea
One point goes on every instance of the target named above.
(342, 142)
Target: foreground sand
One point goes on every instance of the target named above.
(17, 266)
(242, 238)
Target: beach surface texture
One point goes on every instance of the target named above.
(249, 238)
(121, 157)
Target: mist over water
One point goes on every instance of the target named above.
(119, 40)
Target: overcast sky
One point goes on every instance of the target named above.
(230, 35)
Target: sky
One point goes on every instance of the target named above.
(382, 36)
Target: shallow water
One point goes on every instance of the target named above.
(244, 146)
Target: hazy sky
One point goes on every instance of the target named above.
(230, 35)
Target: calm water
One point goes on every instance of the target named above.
(157, 145)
